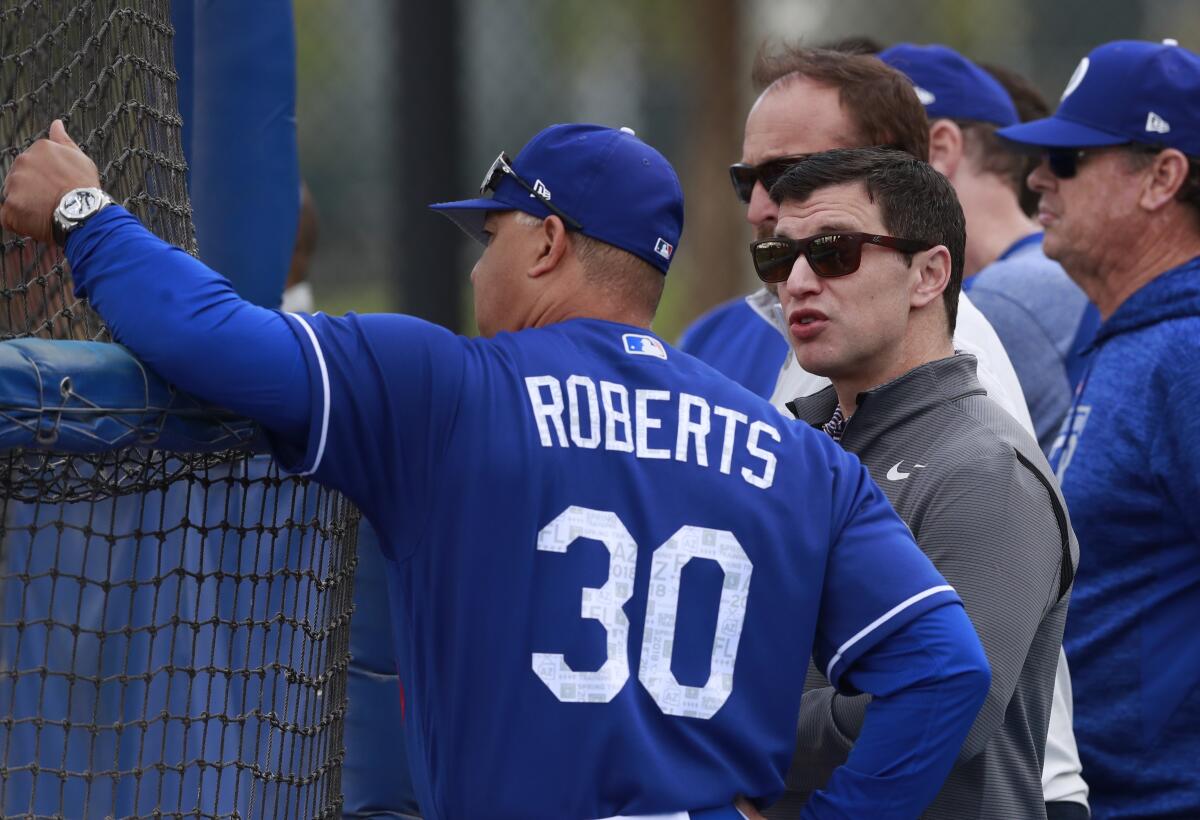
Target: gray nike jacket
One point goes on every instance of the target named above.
(981, 502)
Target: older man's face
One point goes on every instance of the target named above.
(798, 117)
(1091, 217)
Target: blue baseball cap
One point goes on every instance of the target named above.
(604, 182)
(1124, 91)
(951, 86)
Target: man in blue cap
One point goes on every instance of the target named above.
(609, 566)
(1120, 204)
(1034, 306)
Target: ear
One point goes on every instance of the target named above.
(1166, 175)
(554, 242)
(931, 277)
(945, 146)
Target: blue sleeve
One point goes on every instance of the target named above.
(928, 679)
(385, 392)
(188, 324)
(862, 606)
(361, 403)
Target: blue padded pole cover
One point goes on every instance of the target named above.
(237, 95)
(89, 397)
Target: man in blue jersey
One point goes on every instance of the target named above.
(609, 565)
(1120, 204)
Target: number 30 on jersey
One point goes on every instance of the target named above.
(606, 605)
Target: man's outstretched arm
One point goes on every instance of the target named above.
(181, 318)
(928, 680)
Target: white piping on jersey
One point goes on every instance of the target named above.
(875, 624)
(679, 815)
(324, 390)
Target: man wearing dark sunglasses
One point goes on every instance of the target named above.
(812, 100)
(867, 260)
(1120, 204)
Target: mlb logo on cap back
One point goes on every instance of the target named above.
(609, 184)
(1125, 91)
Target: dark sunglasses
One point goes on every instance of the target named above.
(501, 166)
(828, 254)
(1064, 162)
(768, 173)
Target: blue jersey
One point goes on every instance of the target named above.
(739, 343)
(1128, 458)
(600, 549)
(608, 564)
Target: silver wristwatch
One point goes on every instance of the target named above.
(75, 208)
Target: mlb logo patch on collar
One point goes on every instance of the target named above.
(638, 344)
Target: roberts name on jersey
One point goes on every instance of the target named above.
(606, 415)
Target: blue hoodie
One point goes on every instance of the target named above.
(1129, 462)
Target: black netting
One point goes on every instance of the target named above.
(105, 68)
(177, 645)
(174, 629)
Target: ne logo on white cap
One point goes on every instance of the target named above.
(1076, 78)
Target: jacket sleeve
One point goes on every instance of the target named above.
(994, 535)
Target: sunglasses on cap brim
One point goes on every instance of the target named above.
(501, 167)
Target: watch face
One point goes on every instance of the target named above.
(79, 204)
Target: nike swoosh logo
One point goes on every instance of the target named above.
(894, 473)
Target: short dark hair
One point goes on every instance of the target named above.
(879, 100)
(1030, 105)
(915, 201)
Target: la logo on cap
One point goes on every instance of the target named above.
(925, 96)
(1076, 78)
